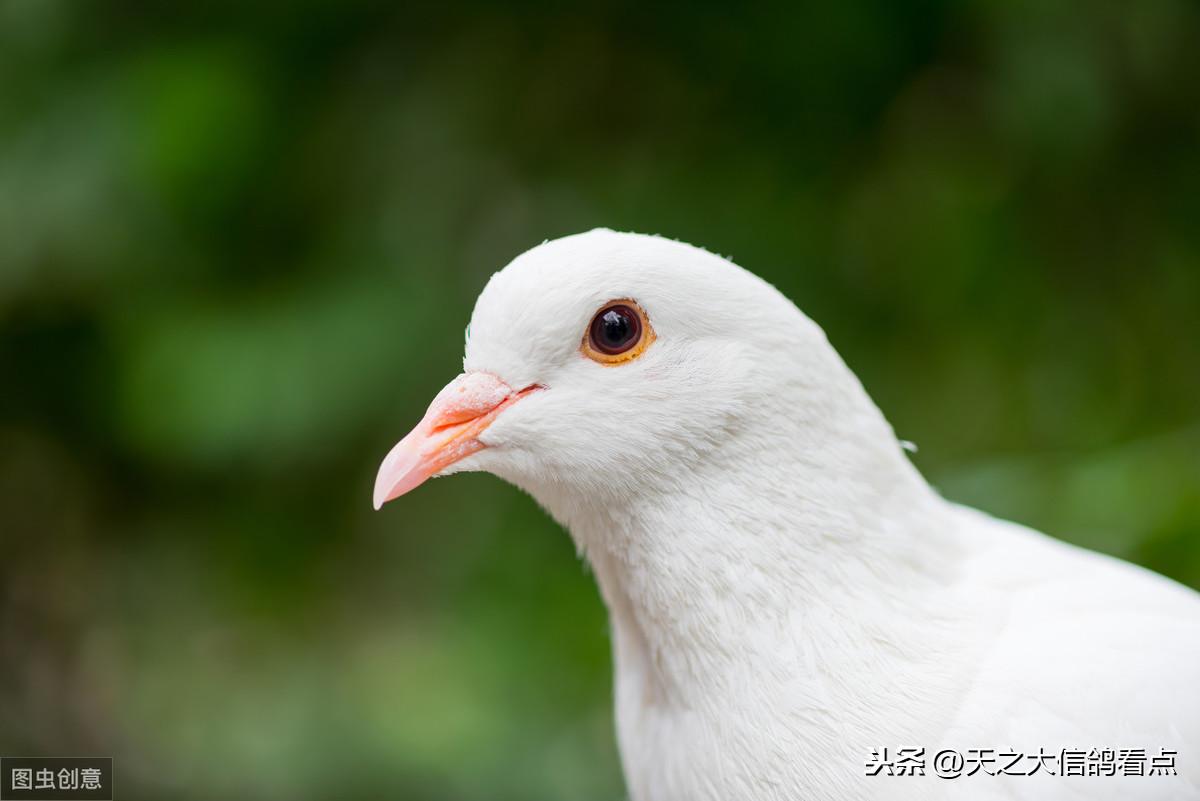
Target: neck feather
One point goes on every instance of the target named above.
(726, 565)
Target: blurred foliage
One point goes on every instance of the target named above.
(239, 244)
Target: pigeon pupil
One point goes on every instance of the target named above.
(615, 330)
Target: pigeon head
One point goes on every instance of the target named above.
(608, 366)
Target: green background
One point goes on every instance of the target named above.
(239, 244)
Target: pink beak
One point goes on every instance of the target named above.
(449, 432)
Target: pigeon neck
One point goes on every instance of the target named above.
(730, 565)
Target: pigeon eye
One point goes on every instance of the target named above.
(618, 333)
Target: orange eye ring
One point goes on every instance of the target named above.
(619, 332)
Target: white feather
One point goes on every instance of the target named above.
(786, 592)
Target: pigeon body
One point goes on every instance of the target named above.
(787, 595)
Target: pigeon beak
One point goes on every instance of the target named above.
(449, 432)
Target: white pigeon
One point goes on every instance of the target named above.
(788, 596)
